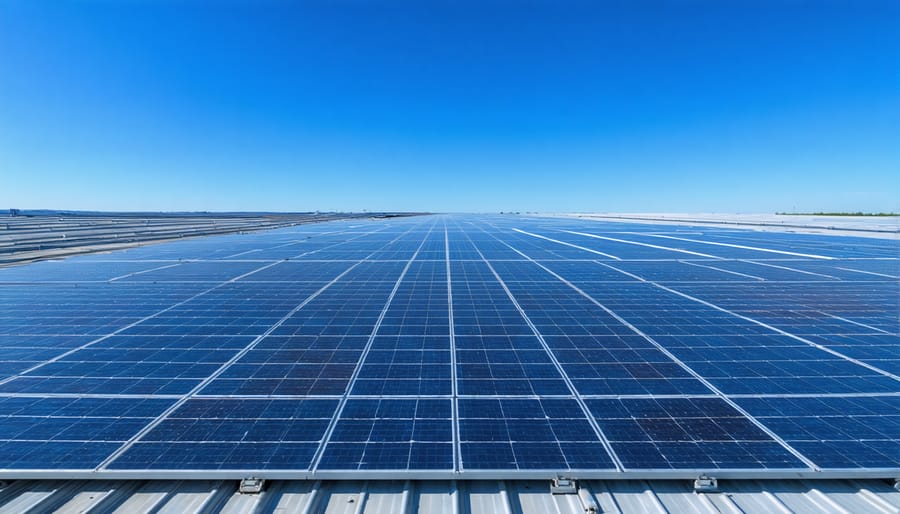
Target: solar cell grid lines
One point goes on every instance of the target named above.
(457, 347)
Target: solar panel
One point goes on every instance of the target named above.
(524, 433)
(456, 346)
(233, 434)
(391, 434)
(687, 433)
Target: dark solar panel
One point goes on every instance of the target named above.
(453, 346)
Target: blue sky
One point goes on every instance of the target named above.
(687, 106)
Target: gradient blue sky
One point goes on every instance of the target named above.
(687, 106)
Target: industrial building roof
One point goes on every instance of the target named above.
(448, 497)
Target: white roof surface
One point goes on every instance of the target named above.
(432, 497)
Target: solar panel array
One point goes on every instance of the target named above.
(454, 346)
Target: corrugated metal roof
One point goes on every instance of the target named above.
(457, 497)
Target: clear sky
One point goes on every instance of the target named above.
(678, 106)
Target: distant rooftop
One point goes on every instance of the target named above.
(863, 226)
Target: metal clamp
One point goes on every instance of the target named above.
(562, 485)
(251, 485)
(705, 484)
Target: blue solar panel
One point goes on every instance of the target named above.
(528, 434)
(836, 432)
(69, 433)
(454, 346)
(233, 434)
(692, 433)
(391, 435)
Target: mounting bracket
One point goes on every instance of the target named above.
(251, 485)
(705, 484)
(562, 485)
